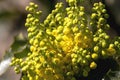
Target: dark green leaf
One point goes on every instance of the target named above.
(20, 48)
(23, 53)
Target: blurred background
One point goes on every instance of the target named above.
(13, 15)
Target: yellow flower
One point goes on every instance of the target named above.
(66, 44)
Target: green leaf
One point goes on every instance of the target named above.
(23, 53)
(20, 47)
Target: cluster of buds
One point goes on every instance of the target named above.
(67, 44)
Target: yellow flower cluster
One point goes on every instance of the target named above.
(67, 44)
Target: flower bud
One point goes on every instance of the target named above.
(94, 56)
(96, 48)
(93, 65)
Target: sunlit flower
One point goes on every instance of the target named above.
(67, 44)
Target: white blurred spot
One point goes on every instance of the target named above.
(4, 65)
